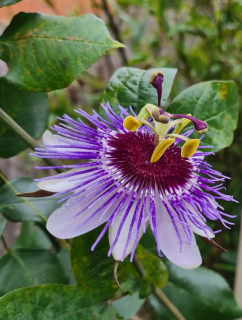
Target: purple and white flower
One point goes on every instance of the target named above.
(115, 183)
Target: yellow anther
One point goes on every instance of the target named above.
(131, 123)
(189, 148)
(154, 74)
(184, 122)
(160, 149)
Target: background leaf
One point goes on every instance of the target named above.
(215, 102)
(131, 87)
(24, 268)
(32, 237)
(128, 305)
(156, 270)
(29, 110)
(16, 210)
(4, 3)
(93, 270)
(46, 53)
(199, 294)
(54, 302)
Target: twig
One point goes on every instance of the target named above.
(6, 247)
(158, 293)
(115, 30)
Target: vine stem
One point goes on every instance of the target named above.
(23, 135)
(158, 293)
(42, 217)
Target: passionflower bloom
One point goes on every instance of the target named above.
(133, 171)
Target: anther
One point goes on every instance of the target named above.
(160, 149)
(131, 123)
(189, 148)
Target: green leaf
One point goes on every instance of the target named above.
(54, 302)
(28, 109)
(156, 270)
(131, 87)
(32, 237)
(215, 102)
(46, 53)
(16, 210)
(24, 268)
(198, 294)
(65, 261)
(3, 222)
(93, 270)
(128, 305)
(4, 3)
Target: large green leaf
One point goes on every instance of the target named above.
(128, 305)
(131, 87)
(28, 109)
(215, 102)
(22, 268)
(4, 3)
(46, 53)
(54, 302)
(32, 237)
(16, 210)
(199, 294)
(154, 267)
(93, 270)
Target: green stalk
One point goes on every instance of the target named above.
(158, 293)
(23, 135)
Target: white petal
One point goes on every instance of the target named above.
(61, 184)
(189, 256)
(123, 237)
(64, 224)
(57, 140)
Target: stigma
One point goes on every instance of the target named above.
(166, 127)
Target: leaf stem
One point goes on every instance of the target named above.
(158, 293)
(23, 135)
(42, 217)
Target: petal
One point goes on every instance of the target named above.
(188, 255)
(113, 230)
(58, 183)
(74, 219)
(194, 228)
(50, 139)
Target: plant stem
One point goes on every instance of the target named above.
(158, 293)
(5, 246)
(115, 30)
(42, 217)
(23, 135)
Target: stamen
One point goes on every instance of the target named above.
(131, 123)
(184, 122)
(160, 149)
(189, 148)
(199, 125)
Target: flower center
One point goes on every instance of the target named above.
(130, 153)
